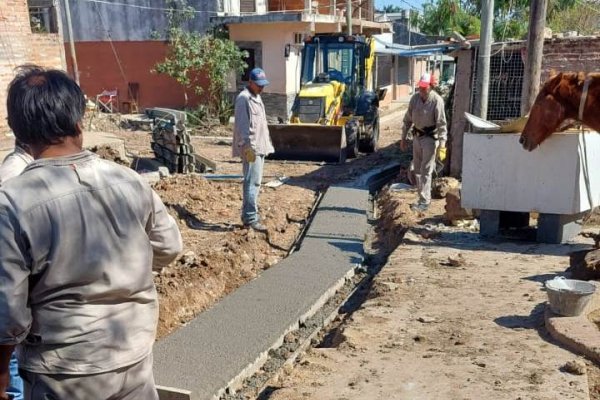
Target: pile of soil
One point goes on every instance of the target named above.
(219, 254)
(101, 122)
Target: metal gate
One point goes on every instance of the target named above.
(506, 84)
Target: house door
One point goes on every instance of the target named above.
(251, 62)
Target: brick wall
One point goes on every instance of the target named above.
(571, 54)
(19, 46)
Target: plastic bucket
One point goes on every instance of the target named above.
(568, 297)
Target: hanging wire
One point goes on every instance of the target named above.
(114, 50)
(111, 3)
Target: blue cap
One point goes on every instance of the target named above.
(258, 76)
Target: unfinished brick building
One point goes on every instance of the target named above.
(29, 34)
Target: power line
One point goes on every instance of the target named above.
(191, 9)
(405, 2)
(114, 50)
(114, 3)
(410, 5)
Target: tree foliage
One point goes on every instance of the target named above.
(511, 17)
(580, 17)
(391, 9)
(441, 17)
(192, 56)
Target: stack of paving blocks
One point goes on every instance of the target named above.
(171, 140)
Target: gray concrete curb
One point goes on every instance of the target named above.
(578, 334)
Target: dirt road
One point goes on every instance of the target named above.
(448, 317)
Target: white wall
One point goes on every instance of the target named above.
(282, 72)
(261, 6)
(232, 7)
(499, 175)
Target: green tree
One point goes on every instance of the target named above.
(579, 17)
(511, 17)
(391, 9)
(191, 56)
(441, 17)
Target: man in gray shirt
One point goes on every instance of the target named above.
(12, 166)
(15, 162)
(426, 116)
(79, 237)
(252, 142)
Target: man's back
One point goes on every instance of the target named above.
(78, 236)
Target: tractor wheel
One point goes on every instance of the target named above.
(369, 145)
(351, 139)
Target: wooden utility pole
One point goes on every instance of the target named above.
(483, 62)
(71, 41)
(535, 47)
(349, 16)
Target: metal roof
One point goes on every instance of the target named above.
(383, 47)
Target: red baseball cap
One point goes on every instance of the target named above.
(425, 81)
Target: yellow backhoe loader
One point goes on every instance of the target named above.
(336, 112)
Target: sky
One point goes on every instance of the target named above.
(400, 3)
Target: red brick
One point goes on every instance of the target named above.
(18, 45)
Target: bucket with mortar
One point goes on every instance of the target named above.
(568, 297)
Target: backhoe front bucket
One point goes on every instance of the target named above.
(308, 142)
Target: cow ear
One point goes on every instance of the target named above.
(553, 73)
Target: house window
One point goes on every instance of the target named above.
(251, 62)
(42, 16)
(247, 6)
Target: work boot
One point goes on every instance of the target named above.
(257, 226)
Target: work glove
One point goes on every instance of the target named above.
(403, 145)
(249, 154)
(441, 153)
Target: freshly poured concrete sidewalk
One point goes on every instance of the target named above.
(230, 341)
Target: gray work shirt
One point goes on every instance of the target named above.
(426, 113)
(14, 164)
(250, 125)
(78, 239)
